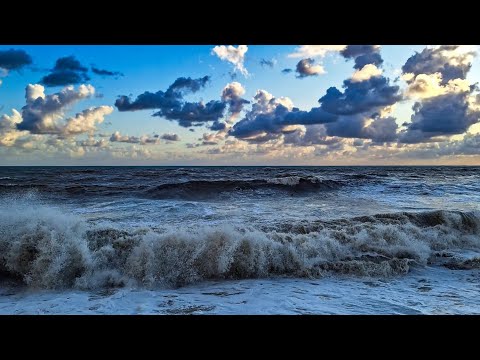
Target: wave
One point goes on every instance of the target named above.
(46, 248)
(195, 189)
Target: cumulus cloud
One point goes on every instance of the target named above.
(67, 71)
(307, 67)
(13, 59)
(447, 102)
(142, 140)
(311, 51)
(8, 128)
(365, 73)
(233, 55)
(84, 122)
(430, 85)
(360, 97)
(103, 72)
(451, 61)
(363, 55)
(270, 117)
(442, 115)
(232, 94)
(41, 113)
(172, 106)
(170, 137)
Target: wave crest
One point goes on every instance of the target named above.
(45, 248)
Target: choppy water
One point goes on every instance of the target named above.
(147, 232)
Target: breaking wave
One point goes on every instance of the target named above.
(46, 248)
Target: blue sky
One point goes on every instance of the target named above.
(246, 138)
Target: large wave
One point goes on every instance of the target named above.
(46, 248)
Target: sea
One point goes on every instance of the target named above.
(240, 240)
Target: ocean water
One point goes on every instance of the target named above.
(239, 240)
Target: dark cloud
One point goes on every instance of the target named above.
(360, 97)
(188, 113)
(170, 137)
(287, 71)
(442, 115)
(307, 67)
(363, 55)
(102, 72)
(67, 71)
(443, 60)
(275, 122)
(218, 126)
(14, 59)
(172, 106)
(267, 63)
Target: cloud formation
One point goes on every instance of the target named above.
(307, 67)
(233, 55)
(447, 104)
(13, 59)
(103, 72)
(451, 61)
(67, 71)
(311, 51)
(170, 137)
(142, 140)
(363, 55)
(172, 106)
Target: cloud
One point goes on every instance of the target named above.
(311, 51)
(271, 117)
(232, 94)
(142, 140)
(429, 85)
(13, 59)
(85, 122)
(234, 55)
(363, 55)
(442, 115)
(172, 106)
(451, 61)
(368, 71)
(170, 137)
(287, 71)
(307, 67)
(67, 71)
(91, 142)
(102, 72)
(8, 129)
(360, 97)
(43, 114)
(437, 78)
(268, 63)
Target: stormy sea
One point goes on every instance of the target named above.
(240, 240)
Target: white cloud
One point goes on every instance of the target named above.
(426, 86)
(8, 129)
(365, 73)
(234, 55)
(306, 51)
(85, 122)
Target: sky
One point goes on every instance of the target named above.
(239, 105)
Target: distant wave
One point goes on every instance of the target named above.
(46, 248)
(204, 188)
